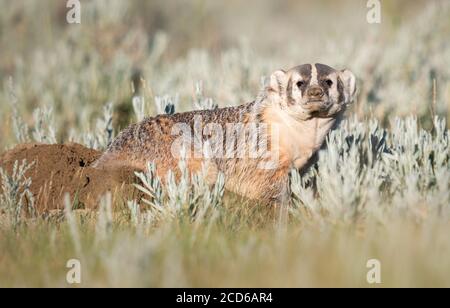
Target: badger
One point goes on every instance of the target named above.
(254, 145)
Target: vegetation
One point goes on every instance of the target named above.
(380, 190)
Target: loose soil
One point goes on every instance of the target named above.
(62, 169)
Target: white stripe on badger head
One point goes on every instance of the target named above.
(314, 81)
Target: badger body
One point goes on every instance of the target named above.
(254, 145)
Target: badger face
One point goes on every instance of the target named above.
(314, 90)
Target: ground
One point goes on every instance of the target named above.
(380, 191)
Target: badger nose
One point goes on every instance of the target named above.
(315, 92)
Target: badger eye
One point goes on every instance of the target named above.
(329, 82)
(300, 84)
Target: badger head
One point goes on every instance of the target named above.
(312, 90)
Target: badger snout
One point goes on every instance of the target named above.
(315, 93)
(316, 99)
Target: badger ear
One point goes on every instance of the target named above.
(349, 81)
(278, 82)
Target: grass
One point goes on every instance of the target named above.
(179, 256)
(380, 190)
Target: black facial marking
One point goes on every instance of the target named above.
(323, 73)
(302, 85)
(340, 87)
(304, 71)
(323, 70)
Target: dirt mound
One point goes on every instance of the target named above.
(61, 169)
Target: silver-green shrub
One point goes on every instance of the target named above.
(16, 199)
(187, 199)
(368, 170)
